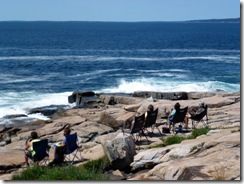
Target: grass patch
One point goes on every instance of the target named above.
(197, 132)
(92, 170)
(175, 139)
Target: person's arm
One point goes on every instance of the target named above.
(28, 145)
(64, 142)
(172, 113)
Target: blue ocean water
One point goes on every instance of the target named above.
(42, 63)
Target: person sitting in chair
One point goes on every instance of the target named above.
(112, 101)
(60, 148)
(150, 108)
(171, 115)
(29, 152)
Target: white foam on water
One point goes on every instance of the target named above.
(233, 58)
(21, 102)
(143, 84)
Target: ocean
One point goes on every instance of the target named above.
(42, 63)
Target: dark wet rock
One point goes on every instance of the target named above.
(48, 110)
(127, 100)
(85, 99)
(161, 95)
(14, 116)
(76, 96)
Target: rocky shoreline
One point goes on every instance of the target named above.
(97, 122)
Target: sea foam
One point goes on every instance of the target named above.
(143, 84)
(21, 102)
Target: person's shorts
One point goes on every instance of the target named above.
(170, 120)
(28, 154)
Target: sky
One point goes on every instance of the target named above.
(118, 10)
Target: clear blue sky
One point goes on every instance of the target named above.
(118, 10)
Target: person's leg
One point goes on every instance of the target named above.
(59, 154)
(170, 121)
(26, 160)
(55, 160)
(27, 156)
(186, 122)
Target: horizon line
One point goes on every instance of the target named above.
(210, 19)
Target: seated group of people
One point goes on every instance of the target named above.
(59, 148)
(172, 114)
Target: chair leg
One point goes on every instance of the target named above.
(155, 126)
(173, 128)
(141, 133)
(159, 131)
(193, 124)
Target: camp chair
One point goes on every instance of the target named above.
(199, 117)
(151, 121)
(72, 149)
(41, 149)
(137, 128)
(179, 117)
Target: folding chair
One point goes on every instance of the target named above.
(151, 121)
(179, 117)
(199, 117)
(72, 149)
(41, 156)
(137, 128)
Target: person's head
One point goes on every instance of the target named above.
(177, 106)
(150, 108)
(67, 131)
(201, 104)
(34, 135)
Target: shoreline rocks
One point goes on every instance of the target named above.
(101, 122)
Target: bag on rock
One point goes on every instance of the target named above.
(166, 130)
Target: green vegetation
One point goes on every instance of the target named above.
(197, 132)
(175, 139)
(92, 170)
(193, 148)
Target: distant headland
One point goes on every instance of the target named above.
(227, 20)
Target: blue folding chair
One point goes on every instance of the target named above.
(41, 155)
(72, 149)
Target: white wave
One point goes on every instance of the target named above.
(21, 102)
(29, 79)
(26, 58)
(110, 58)
(11, 78)
(126, 50)
(143, 84)
(189, 50)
